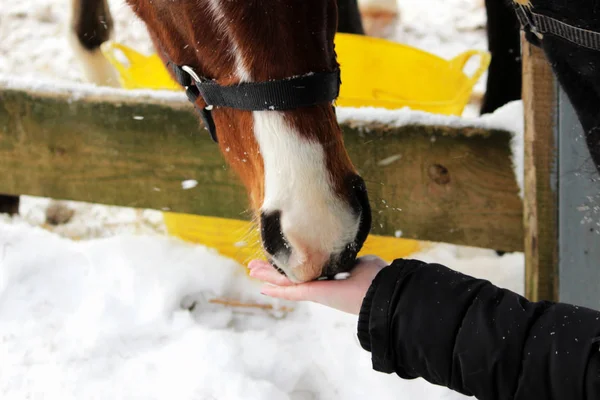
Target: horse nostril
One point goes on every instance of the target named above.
(271, 234)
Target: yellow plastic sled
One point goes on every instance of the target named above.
(375, 73)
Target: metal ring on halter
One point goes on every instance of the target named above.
(191, 72)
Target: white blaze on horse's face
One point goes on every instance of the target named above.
(300, 201)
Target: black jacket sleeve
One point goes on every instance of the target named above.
(426, 320)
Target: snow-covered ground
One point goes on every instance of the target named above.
(108, 306)
(109, 318)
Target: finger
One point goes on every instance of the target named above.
(270, 275)
(311, 291)
(293, 293)
(258, 264)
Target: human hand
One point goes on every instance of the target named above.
(344, 295)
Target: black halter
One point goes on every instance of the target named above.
(277, 95)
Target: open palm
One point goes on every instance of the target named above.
(345, 295)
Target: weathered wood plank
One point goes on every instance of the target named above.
(430, 182)
(540, 196)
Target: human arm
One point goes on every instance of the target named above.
(426, 320)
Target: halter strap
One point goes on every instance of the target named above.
(540, 25)
(277, 95)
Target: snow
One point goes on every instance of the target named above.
(88, 91)
(503, 118)
(189, 184)
(107, 306)
(512, 119)
(91, 221)
(34, 41)
(108, 318)
(342, 276)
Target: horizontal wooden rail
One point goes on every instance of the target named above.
(435, 183)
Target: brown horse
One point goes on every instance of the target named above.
(311, 204)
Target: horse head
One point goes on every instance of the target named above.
(310, 203)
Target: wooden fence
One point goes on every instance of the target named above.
(435, 183)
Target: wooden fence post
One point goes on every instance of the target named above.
(540, 190)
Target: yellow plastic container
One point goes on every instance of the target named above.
(375, 73)
(379, 73)
(137, 70)
(240, 240)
